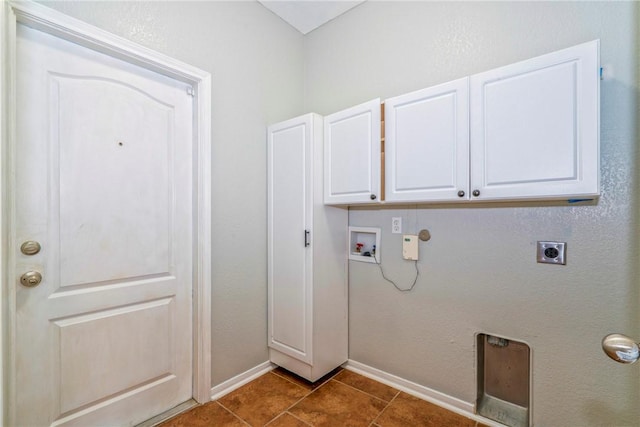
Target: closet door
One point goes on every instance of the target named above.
(535, 127)
(352, 155)
(427, 144)
(289, 232)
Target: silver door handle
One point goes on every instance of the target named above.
(621, 348)
(31, 279)
(30, 247)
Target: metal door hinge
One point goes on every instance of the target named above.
(191, 91)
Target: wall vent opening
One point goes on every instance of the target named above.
(503, 380)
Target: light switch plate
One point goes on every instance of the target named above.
(410, 247)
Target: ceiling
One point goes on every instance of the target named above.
(307, 15)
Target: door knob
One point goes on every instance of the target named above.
(31, 279)
(621, 348)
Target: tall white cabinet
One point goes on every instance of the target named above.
(307, 254)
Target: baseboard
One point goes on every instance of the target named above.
(239, 380)
(448, 402)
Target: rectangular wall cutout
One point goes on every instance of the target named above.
(364, 244)
(503, 380)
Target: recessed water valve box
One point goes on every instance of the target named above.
(364, 244)
(552, 253)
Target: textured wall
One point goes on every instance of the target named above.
(478, 272)
(242, 45)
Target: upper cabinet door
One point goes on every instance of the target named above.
(427, 144)
(535, 127)
(352, 155)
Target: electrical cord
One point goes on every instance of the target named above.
(394, 283)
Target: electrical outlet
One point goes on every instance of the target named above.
(396, 225)
(551, 253)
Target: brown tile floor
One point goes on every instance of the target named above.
(341, 399)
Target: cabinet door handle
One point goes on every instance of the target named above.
(306, 238)
(476, 193)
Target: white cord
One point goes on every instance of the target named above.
(394, 283)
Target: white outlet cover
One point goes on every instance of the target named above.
(396, 225)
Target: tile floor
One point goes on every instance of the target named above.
(341, 399)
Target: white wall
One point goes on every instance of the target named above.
(478, 273)
(256, 63)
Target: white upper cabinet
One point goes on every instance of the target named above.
(525, 131)
(427, 144)
(535, 127)
(352, 155)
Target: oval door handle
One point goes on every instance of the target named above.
(30, 247)
(476, 193)
(373, 197)
(31, 279)
(621, 348)
(460, 193)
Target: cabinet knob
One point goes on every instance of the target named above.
(373, 197)
(476, 193)
(460, 193)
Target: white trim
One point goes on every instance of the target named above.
(68, 28)
(239, 380)
(445, 401)
(5, 114)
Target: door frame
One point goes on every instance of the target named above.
(65, 27)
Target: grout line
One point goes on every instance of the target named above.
(287, 379)
(309, 393)
(274, 419)
(364, 392)
(297, 418)
(232, 413)
(303, 397)
(385, 408)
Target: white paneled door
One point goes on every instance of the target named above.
(103, 181)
